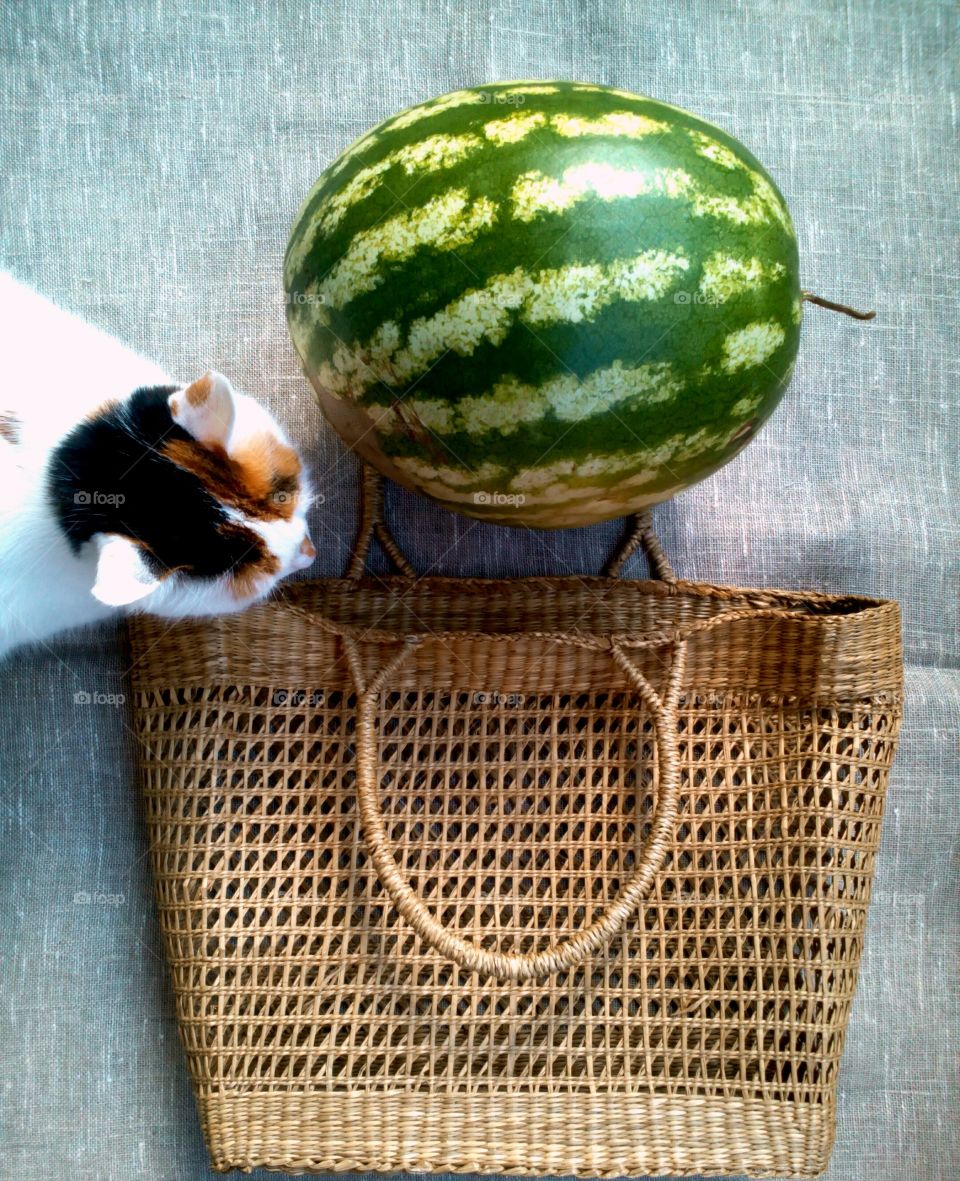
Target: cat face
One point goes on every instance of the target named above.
(199, 503)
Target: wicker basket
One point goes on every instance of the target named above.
(555, 875)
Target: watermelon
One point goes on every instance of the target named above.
(545, 303)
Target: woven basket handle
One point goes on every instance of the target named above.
(639, 532)
(568, 952)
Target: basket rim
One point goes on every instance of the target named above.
(815, 607)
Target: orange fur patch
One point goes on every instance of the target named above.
(260, 563)
(103, 408)
(271, 472)
(246, 581)
(9, 426)
(198, 391)
(260, 481)
(174, 407)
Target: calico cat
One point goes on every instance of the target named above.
(121, 490)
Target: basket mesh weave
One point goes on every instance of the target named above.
(518, 783)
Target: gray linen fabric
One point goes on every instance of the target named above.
(153, 157)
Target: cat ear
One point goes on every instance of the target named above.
(122, 574)
(205, 409)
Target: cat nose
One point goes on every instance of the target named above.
(305, 554)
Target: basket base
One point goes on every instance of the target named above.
(525, 1135)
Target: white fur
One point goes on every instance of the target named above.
(57, 369)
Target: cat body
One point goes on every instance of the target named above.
(123, 490)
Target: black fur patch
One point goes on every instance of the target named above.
(108, 476)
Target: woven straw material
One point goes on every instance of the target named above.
(520, 773)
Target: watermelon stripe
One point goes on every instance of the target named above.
(431, 279)
(448, 112)
(752, 345)
(403, 121)
(439, 106)
(535, 193)
(371, 373)
(426, 155)
(579, 479)
(395, 129)
(510, 402)
(566, 295)
(616, 390)
(616, 123)
(444, 223)
(713, 396)
(451, 220)
(373, 256)
(551, 291)
(724, 276)
(550, 296)
(747, 200)
(438, 152)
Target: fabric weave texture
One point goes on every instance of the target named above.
(153, 158)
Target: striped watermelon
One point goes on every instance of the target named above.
(545, 303)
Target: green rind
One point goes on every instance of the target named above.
(689, 336)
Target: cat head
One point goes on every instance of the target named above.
(192, 497)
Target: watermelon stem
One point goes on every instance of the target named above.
(836, 307)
